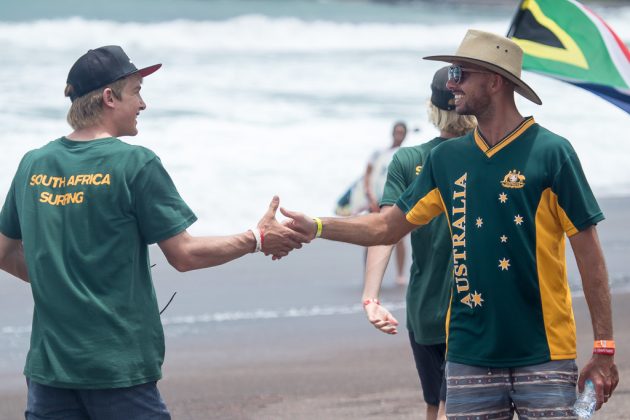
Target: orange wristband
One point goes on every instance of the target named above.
(604, 347)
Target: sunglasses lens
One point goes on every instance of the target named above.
(455, 74)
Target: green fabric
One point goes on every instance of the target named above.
(431, 267)
(496, 316)
(561, 38)
(86, 212)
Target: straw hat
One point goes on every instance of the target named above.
(493, 52)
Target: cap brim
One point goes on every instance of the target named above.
(149, 70)
(520, 87)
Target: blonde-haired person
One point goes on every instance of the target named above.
(431, 268)
(76, 224)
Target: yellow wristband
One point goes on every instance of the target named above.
(318, 221)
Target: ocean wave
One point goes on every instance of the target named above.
(251, 33)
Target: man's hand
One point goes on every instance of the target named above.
(300, 223)
(279, 240)
(602, 371)
(381, 318)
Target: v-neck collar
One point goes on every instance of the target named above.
(491, 151)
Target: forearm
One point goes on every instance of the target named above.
(13, 262)
(367, 230)
(375, 265)
(185, 252)
(600, 369)
(384, 228)
(597, 294)
(592, 267)
(209, 251)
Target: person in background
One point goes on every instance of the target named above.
(431, 264)
(76, 224)
(511, 191)
(374, 182)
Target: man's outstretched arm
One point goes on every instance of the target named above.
(12, 257)
(186, 252)
(601, 368)
(385, 228)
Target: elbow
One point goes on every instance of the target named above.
(389, 239)
(386, 236)
(180, 263)
(386, 232)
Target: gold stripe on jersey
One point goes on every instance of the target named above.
(491, 151)
(428, 207)
(450, 299)
(448, 318)
(551, 225)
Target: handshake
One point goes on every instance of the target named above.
(278, 239)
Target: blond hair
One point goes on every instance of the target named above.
(450, 121)
(86, 110)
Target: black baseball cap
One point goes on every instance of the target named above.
(440, 95)
(100, 67)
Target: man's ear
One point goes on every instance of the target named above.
(499, 83)
(108, 98)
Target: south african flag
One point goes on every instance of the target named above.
(566, 40)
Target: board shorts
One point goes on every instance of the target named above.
(547, 390)
(430, 366)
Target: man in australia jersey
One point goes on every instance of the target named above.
(76, 224)
(429, 287)
(511, 191)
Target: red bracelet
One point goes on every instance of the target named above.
(604, 347)
(366, 302)
(608, 352)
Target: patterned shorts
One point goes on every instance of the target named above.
(544, 391)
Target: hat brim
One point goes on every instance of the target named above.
(144, 72)
(519, 86)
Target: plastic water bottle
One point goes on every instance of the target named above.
(585, 404)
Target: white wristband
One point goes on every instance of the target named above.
(256, 233)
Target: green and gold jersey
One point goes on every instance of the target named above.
(431, 267)
(508, 207)
(85, 212)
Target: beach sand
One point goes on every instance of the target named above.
(334, 366)
(363, 378)
(350, 381)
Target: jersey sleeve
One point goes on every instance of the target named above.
(577, 205)
(395, 184)
(422, 201)
(160, 210)
(9, 220)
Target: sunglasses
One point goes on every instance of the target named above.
(456, 73)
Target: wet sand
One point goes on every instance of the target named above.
(367, 379)
(326, 362)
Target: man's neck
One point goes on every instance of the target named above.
(447, 134)
(496, 125)
(90, 133)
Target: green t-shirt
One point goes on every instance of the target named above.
(508, 207)
(86, 212)
(431, 267)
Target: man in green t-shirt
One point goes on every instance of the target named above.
(510, 190)
(431, 267)
(76, 224)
